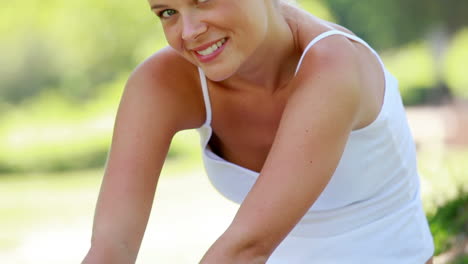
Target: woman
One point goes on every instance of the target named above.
(300, 123)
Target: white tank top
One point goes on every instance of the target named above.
(370, 211)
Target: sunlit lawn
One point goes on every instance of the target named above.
(48, 218)
(444, 175)
(40, 214)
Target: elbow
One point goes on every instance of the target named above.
(238, 247)
(252, 252)
(255, 253)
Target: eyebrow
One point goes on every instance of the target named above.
(156, 6)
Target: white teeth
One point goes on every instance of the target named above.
(212, 49)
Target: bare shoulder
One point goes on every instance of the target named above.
(158, 101)
(333, 62)
(340, 59)
(171, 84)
(330, 74)
(334, 52)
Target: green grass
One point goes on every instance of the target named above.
(445, 181)
(30, 201)
(449, 221)
(461, 260)
(34, 200)
(444, 176)
(52, 135)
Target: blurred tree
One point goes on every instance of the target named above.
(389, 24)
(70, 46)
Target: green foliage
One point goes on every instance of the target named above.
(51, 133)
(387, 24)
(461, 260)
(445, 196)
(413, 66)
(71, 46)
(455, 70)
(450, 220)
(318, 8)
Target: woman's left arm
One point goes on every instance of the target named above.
(316, 123)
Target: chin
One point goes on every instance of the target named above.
(218, 74)
(217, 77)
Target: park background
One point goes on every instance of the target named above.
(63, 65)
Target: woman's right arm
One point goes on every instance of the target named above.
(151, 111)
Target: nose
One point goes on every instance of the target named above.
(192, 27)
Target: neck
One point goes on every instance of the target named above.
(273, 64)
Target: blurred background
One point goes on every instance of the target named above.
(63, 65)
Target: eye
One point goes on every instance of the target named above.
(167, 13)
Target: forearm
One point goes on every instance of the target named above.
(115, 254)
(120, 220)
(111, 245)
(120, 247)
(236, 248)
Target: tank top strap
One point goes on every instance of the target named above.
(206, 97)
(336, 32)
(204, 84)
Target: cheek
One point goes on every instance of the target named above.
(172, 39)
(253, 33)
(254, 20)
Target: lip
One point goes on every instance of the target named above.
(207, 45)
(212, 56)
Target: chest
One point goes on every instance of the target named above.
(244, 125)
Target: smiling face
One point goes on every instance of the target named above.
(216, 35)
